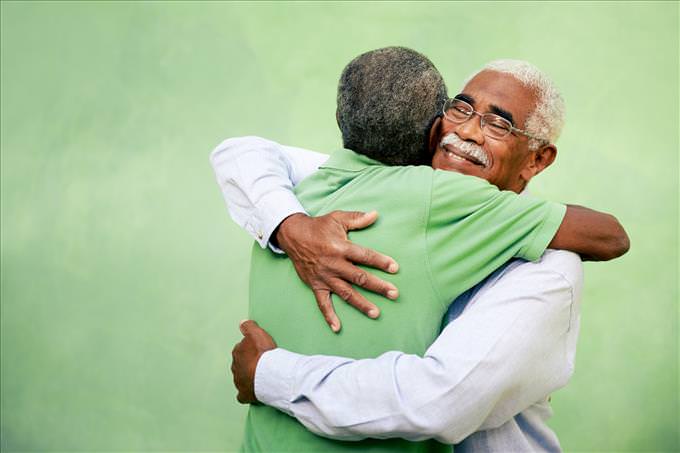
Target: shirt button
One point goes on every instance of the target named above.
(260, 235)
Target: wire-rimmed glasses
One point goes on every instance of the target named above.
(493, 126)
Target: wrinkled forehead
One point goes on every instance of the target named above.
(492, 90)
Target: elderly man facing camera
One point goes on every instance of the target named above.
(509, 341)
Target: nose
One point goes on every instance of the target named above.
(471, 130)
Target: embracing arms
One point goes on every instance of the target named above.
(257, 176)
(595, 236)
(511, 347)
(411, 412)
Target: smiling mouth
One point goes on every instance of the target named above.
(456, 154)
(457, 150)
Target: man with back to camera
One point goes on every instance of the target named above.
(510, 164)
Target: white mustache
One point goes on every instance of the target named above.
(471, 149)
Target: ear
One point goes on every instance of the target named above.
(435, 133)
(538, 161)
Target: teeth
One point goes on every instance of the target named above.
(466, 148)
(474, 155)
(455, 156)
(477, 155)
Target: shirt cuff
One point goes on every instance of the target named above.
(270, 211)
(274, 378)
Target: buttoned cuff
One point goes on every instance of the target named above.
(270, 211)
(275, 377)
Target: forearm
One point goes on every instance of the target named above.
(476, 376)
(400, 396)
(595, 236)
(349, 399)
(256, 177)
(512, 346)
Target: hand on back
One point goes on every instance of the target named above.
(326, 260)
(245, 356)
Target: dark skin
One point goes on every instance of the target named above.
(329, 266)
(245, 356)
(327, 261)
(593, 235)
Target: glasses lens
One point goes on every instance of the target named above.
(457, 110)
(495, 127)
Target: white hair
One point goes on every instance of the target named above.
(547, 118)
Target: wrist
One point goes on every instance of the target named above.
(281, 234)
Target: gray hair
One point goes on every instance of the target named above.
(547, 118)
(387, 101)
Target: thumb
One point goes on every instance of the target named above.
(248, 326)
(257, 334)
(356, 220)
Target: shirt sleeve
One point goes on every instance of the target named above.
(509, 349)
(256, 177)
(473, 228)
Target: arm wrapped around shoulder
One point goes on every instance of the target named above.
(594, 235)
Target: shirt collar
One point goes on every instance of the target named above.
(346, 159)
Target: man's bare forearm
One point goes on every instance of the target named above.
(596, 236)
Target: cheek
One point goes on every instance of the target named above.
(509, 165)
(438, 160)
(504, 160)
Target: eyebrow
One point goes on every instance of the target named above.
(467, 98)
(492, 108)
(502, 113)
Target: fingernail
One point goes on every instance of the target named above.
(335, 327)
(392, 268)
(373, 312)
(241, 323)
(392, 294)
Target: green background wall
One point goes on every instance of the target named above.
(123, 280)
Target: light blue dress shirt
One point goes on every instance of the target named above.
(526, 431)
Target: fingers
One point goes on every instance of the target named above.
(371, 258)
(345, 291)
(234, 372)
(370, 282)
(323, 300)
(355, 220)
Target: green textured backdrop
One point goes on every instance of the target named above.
(123, 279)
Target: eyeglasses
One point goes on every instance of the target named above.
(493, 126)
